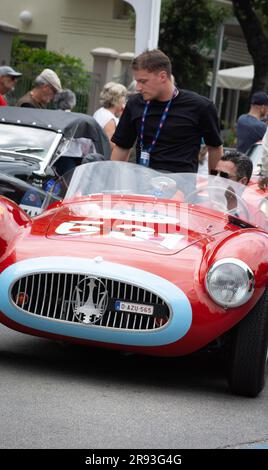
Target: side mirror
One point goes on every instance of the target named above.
(50, 172)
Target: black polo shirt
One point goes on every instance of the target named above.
(190, 117)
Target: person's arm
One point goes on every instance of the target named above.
(109, 129)
(210, 131)
(120, 154)
(125, 134)
(214, 155)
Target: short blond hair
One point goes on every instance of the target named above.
(111, 94)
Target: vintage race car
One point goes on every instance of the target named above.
(33, 142)
(142, 261)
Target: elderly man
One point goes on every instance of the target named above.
(8, 77)
(46, 85)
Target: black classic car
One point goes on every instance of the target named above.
(35, 142)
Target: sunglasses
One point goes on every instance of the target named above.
(223, 174)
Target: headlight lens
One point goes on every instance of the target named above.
(230, 282)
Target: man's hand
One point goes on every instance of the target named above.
(263, 182)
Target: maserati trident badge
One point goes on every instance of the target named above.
(90, 300)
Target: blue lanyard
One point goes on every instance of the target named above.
(161, 123)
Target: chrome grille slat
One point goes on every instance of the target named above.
(38, 290)
(134, 322)
(144, 296)
(108, 319)
(57, 295)
(121, 321)
(31, 295)
(63, 296)
(115, 318)
(54, 296)
(44, 296)
(128, 318)
(70, 297)
(25, 290)
(50, 294)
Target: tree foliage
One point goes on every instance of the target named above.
(31, 61)
(253, 18)
(188, 31)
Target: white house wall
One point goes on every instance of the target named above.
(72, 27)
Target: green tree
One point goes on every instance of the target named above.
(31, 61)
(187, 34)
(253, 18)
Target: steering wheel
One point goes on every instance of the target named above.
(229, 194)
(163, 185)
(163, 182)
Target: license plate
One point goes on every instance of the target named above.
(134, 308)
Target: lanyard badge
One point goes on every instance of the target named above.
(144, 158)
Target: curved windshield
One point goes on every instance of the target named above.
(17, 140)
(126, 179)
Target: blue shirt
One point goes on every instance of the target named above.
(249, 130)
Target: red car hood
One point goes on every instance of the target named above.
(161, 228)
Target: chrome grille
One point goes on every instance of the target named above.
(52, 295)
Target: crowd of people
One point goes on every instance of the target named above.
(170, 129)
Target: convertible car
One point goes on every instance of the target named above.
(125, 257)
(36, 142)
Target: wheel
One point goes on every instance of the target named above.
(248, 353)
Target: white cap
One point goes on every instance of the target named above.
(51, 78)
(6, 70)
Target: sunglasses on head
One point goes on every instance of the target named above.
(223, 174)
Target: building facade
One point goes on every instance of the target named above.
(73, 27)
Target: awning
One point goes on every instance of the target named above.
(236, 78)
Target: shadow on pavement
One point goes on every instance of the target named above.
(203, 371)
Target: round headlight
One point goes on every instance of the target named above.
(230, 282)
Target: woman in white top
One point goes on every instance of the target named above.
(113, 101)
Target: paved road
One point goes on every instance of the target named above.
(53, 396)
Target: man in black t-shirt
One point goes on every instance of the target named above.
(166, 123)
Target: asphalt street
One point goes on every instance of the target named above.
(74, 397)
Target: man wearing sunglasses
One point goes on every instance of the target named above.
(234, 166)
(8, 77)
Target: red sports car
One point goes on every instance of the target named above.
(142, 261)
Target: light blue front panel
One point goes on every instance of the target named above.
(181, 312)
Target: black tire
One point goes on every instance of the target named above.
(248, 354)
